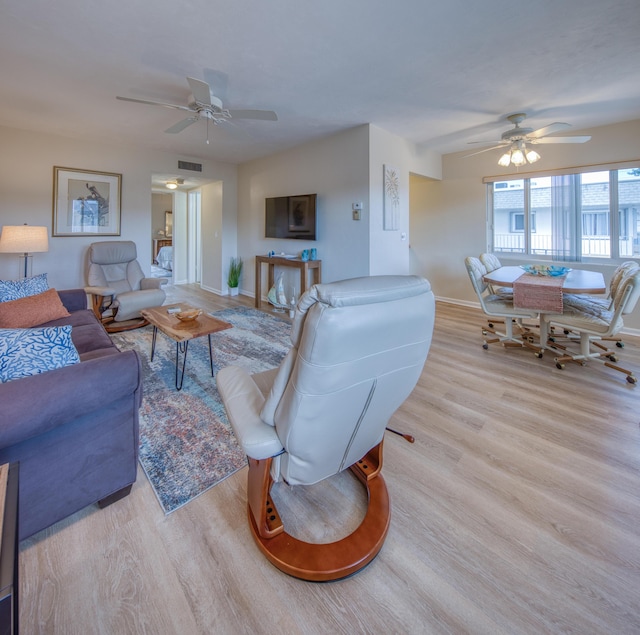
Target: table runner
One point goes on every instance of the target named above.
(539, 293)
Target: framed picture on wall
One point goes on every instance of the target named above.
(86, 203)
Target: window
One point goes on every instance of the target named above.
(567, 216)
(517, 221)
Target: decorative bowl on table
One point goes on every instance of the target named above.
(188, 316)
(545, 270)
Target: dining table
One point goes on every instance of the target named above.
(580, 281)
(575, 281)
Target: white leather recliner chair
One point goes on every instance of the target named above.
(118, 287)
(358, 348)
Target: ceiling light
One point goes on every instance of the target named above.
(518, 158)
(532, 156)
(518, 154)
(172, 185)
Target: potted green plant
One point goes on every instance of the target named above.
(233, 277)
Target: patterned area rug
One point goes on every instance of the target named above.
(186, 442)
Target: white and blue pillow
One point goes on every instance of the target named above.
(25, 352)
(16, 289)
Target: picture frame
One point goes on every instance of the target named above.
(300, 220)
(86, 202)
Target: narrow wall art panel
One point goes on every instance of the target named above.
(391, 198)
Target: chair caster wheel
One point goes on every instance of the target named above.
(631, 379)
(485, 346)
(551, 339)
(539, 355)
(566, 331)
(559, 366)
(620, 344)
(490, 325)
(612, 358)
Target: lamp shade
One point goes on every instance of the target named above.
(23, 239)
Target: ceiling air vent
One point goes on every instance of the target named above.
(188, 165)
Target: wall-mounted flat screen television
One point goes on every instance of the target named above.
(291, 217)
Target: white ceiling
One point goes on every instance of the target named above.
(437, 73)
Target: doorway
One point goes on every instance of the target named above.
(194, 243)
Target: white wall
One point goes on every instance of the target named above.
(448, 217)
(389, 252)
(336, 169)
(26, 189)
(342, 169)
(212, 230)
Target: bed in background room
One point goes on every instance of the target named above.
(165, 258)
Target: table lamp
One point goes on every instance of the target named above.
(25, 240)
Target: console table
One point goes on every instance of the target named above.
(304, 266)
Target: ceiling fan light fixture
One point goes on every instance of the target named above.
(517, 157)
(171, 185)
(532, 155)
(505, 160)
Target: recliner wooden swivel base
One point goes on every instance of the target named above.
(312, 561)
(109, 323)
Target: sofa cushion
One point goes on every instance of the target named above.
(26, 352)
(16, 289)
(32, 310)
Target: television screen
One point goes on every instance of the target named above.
(291, 217)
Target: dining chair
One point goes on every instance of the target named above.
(498, 306)
(585, 301)
(491, 263)
(593, 324)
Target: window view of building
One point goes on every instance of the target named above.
(568, 216)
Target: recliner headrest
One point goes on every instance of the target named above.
(112, 252)
(355, 292)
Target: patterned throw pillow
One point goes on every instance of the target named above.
(25, 352)
(16, 289)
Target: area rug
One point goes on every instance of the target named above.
(186, 442)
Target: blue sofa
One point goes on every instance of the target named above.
(73, 430)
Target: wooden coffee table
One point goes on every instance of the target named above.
(182, 332)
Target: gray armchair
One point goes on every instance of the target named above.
(358, 349)
(118, 287)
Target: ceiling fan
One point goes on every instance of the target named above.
(517, 139)
(203, 104)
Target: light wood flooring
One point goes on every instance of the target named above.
(516, 511)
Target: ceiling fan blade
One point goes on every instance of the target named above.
(550, 129)
(485, 143)
(181, 125)
(473, 154)
(200, 90)
(264, 115)
(154, 103)
(576, 139)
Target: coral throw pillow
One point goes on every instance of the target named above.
(32, 310)
(25, 352)
(16, 289)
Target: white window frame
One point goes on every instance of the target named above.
(614, 215)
